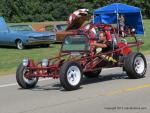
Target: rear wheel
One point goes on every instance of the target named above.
(71, 75)
(22, 81)
(135, 65)
(19, 44)
(92, 74)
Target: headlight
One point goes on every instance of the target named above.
(133, 30)
(25, 62)
(45, 62)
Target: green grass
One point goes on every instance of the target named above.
(146, 46)
(11, 57)
(146, 38)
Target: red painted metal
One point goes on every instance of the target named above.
(88, 60)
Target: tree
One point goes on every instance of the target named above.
(41, 10)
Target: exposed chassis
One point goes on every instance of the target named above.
(70, 66)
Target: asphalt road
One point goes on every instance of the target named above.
(112, 92)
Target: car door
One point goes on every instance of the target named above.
(4, 40)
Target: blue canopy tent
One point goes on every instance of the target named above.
(109, 15)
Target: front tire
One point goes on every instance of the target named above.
(135, 65)
(71, 75)
(45, 45)
(20, 45)
(25, 83)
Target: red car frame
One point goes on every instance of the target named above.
(77, 58)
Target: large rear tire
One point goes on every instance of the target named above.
(22, 81)
(71, 75)
(135, 65)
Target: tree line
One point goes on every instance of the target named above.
(57, 10)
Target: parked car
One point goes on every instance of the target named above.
(23, 35)
(56, 27)
(59, 29)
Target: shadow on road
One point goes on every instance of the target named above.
(105, 78)
(57, 85)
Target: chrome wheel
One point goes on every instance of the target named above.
(28, 80)
(20, 44)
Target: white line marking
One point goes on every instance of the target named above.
(43, 79)
(7, 85)
(14, 84)
(108, 69)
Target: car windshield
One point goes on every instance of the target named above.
(61, 27)
(21, 28)
(49, 28)
(75, 43)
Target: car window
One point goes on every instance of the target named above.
(21, 28)
(61, 27)
(49, 28)
(75, 43)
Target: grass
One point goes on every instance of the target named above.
(146, 46)
(11, 57)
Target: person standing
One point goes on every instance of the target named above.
(121, 24)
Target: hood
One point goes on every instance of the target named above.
(77, 19)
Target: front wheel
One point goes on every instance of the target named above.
(135, 65)
(22, 80)
(71, 75)
(20, 45)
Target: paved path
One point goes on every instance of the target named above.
(113, 92)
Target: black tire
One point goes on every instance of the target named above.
(45, 45)
(23, 82)
(75, 74)
(92, 74)
(20, 45)
(135, 65)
